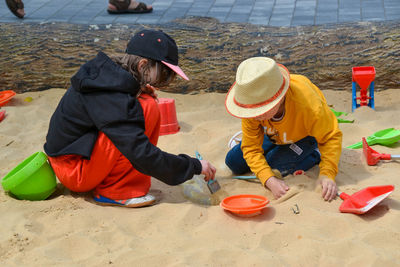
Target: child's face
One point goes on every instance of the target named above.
(158, 75)
(148, 72)
(153, 74)
(271, 113)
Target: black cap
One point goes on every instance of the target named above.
(156, 45)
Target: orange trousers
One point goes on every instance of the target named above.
(108, 172)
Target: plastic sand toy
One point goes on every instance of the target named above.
(384, 137)
(169, 122)
(245, 205)
(32, 179)
(364, 200)
(363, 77)
(5, 96)
(374, 157)
(340, 113)
(212, 185)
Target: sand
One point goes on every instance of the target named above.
(70, 230)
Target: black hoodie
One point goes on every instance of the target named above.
(102, 97)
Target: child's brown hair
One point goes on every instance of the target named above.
(130, 62)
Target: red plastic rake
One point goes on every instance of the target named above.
(374, 157)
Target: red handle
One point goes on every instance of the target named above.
(353, 200)
(385, 156)
(344, 196)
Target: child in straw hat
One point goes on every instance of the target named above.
(103, 135)
(286, 124)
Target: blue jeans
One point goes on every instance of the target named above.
(281, 157)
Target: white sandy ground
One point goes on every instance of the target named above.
(70, 230)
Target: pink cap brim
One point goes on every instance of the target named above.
(176, 69)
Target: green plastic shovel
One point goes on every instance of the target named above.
(340, 113)
(383, 137)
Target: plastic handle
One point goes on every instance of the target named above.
(370, 141)
(385, 156)
(245, 177)
(355, 201)
(343, 196)
(355, 146)
(198, 156)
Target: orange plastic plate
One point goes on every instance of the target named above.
(244, 204)
(6, 96)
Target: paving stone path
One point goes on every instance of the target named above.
(260, 12)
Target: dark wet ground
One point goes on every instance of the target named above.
(41, 56)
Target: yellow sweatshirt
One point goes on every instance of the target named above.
(306, 114)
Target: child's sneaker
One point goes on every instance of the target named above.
(236, 138)
(134, 202)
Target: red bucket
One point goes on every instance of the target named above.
(169, 123)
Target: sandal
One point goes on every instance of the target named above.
(122, 7)
(14, 5)
(135, 202)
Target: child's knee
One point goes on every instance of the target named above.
(235, 161)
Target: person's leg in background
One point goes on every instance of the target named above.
(127, 6)
(114, 7)
(16, 7)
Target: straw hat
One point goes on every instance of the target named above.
(260, 84)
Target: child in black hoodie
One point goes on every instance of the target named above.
(104, 132)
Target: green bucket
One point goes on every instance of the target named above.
(33, 179)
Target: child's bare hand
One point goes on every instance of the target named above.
(150, 90)
(208, 170)
(329, 188)
(277, 187)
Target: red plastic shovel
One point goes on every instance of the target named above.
(374, 157)
(364, 200)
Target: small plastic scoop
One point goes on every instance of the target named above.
(374, 157)
(383, 137)
(365, 199)
(212, 185)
